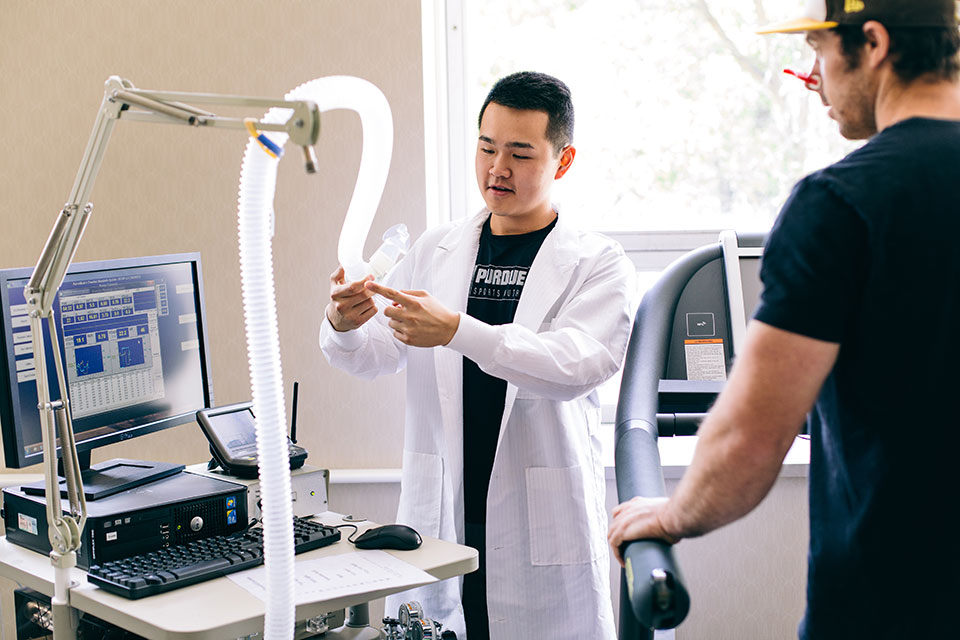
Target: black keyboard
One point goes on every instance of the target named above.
(186, 564)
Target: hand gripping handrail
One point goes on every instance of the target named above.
(653, 595)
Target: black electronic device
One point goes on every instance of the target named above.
(34, 620)
(231, 431)
(165, 513)
(107, 478)
(389, 536)
(200, 560)
(132, 337)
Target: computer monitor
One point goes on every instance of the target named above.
(133, 339)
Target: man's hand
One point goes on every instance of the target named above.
(416, 317)
(637, 519)
(350, 304)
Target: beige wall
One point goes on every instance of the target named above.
(168, 189)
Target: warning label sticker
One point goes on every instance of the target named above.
(27, 524)
(705, 359)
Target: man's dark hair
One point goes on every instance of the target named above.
(914, 51)
(534, 91)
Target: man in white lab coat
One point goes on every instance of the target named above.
(501, 447)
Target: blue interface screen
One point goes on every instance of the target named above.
(131, 342)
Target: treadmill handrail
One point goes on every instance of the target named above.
(653, 594)
(646, 361)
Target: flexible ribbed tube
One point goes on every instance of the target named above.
(257, 184)
(344, 92)
(258, 177)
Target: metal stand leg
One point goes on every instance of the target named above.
(357, 626)
(65, 619)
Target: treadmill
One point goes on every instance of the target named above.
(685, 336)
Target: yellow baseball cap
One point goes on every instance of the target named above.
(827, 14)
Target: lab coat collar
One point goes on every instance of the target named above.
(548, 278)
(549, 274)
(458, 236)
(452, 264)
(563, 237)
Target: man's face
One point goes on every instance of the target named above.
(516, 166)
(850, 93)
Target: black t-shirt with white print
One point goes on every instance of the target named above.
(497, 280)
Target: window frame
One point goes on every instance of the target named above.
(445, 37)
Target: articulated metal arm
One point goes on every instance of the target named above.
(121, 101)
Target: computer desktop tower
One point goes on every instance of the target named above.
(35, 620)
(164, 513)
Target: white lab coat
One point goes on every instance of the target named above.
(547, 561)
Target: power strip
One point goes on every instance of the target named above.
(308, 486)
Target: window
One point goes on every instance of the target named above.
(685, 119)
(686, 123)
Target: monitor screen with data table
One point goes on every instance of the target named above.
(133, 340)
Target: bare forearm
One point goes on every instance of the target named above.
(750, 429)
(730, 474)
(743, 441)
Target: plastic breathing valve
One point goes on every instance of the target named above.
(396, 242)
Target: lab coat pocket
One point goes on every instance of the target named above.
(560, 532)
(421, 487)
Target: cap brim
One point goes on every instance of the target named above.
(797, 26)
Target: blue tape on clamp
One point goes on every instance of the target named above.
(269, 146)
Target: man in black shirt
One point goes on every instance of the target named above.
(506, 323)
(856, 322)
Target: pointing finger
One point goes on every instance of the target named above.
(353, 288)
(387, 292)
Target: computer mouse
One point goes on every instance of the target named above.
(389, 536)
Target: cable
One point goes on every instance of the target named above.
(356, 529)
